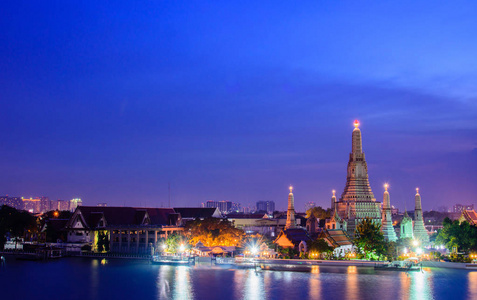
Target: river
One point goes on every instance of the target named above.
(83, 278)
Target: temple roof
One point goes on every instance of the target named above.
(338, 237)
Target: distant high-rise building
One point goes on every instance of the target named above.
(267, 206)
(32, 205)
(15, 202)
(224, 206)
(246, 210)
(309, 205)
(460, 207)
(63, 205)
(74, 203)
(236, 207)
(45, 204)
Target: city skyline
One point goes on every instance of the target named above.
(112, 109)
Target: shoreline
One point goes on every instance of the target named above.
(276, 262)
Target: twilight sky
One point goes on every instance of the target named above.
(236, 101)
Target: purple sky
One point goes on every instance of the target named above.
(236, 101)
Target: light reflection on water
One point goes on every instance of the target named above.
(420, 285)
(315, 285)
(174, 282)
(472, 285)
(121, 279)
(352, 283)
(254, 286)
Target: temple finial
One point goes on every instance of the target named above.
(417, 191)
(291, 189)
(334, 192)
(386, 187)
(356, 124)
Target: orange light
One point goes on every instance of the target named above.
(356, 123)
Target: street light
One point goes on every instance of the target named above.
(415, 242)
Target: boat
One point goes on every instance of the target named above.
(406, 265)
(171, 260)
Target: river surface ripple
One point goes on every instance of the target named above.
(84, 278)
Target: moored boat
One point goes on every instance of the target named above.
(171, 260)
(406, 265)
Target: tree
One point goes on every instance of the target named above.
(174, 241)
(370, 240)
(320, 246)
(213, 232)
(102, 241)
(15, 223)
(318, 212)
(463, 235)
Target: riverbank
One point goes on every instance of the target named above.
(449, 265)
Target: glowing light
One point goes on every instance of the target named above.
(164, 246)
(405, 250)
(334, 192)
(418, 250)
(181, 248)
(356, 124)
(291, 189)
(415, 242)
(386, 186)
(254, 250)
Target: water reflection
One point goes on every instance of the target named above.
(405, 284)
(315, 285)
(421, 285)
(352, 283)
(254, 286)
(174, 282)
(239, 283)
(472, 284)
(182, 287)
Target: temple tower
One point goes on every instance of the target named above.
(387, 226)
(291, 210)
(406, 227)
(333, 200)
(357, 200)
(420, 232)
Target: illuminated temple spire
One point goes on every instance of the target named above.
(357, 183)
(291, 210)
(420, 232)
(333, 200)
(387, 222)
(357, 201)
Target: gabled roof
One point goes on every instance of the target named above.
(295, 235)
(338, 237)
(120, 216)
(470, 216)
(196, 212)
